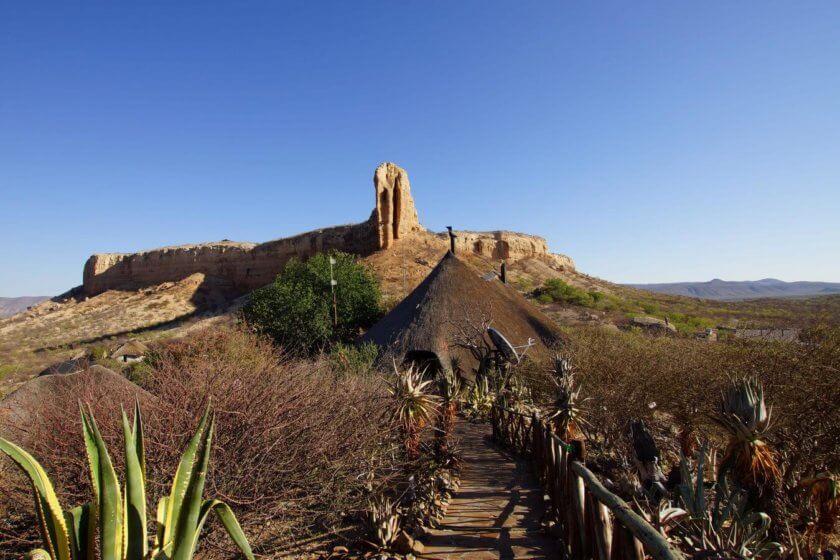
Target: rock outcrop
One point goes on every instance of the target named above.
(246, 266)
(395, 214)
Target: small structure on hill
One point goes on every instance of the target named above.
(130, 352)
(451, 310)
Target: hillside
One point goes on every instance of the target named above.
(11, 305)
(170, 291)
(733, 290)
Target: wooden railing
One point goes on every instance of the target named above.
(594, 522)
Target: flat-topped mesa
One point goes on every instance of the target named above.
(247, 266)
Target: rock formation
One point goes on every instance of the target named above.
(246, 266)
(395, 214)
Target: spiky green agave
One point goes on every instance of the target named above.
(119, 517)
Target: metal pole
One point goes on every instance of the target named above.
(332, 287)
(452, 237)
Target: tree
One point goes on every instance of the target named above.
(296, 310)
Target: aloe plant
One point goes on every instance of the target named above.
(415, 407)
(479, 399)
(383, 523)
(118, 517)
(449, 387)
(724, 526)
(567, 413)
(748, 459)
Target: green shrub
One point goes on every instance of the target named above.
(6, 369)
(296, 310)
(139, 373)
(556, 290)
(349, 359)
(650, 309)
(98, 353)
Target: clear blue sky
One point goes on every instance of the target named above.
(651, 141)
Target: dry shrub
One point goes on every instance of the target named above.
(295, 447)
(625, 373)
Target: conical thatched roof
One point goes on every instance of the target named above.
(131, 348)
(27, 412)
(453, 300)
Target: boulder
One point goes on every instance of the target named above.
(28, 411)
(653, 324)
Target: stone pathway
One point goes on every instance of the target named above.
(496, 512)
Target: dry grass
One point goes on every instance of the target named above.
(675, 386)
(295, 450)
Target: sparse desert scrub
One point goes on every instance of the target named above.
(676, 385)
(296, 445)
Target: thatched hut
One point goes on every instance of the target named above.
(455, 303)
(131, 351)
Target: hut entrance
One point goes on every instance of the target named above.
(425, 361)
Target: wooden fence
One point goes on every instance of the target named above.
(595, 523)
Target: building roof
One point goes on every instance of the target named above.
(131, 348)
(452, 298)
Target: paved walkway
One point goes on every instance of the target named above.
(496, 511)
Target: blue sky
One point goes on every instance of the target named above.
(651, 141)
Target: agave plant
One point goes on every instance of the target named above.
(415, 405)
(748, 459)
(517, 397)
(567, 414)
(449, 388)
(383, 523)
(118, 518)
(722, 527)
(480, 399)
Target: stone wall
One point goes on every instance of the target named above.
(250, 265)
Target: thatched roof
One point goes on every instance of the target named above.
(27, 412)
(452, 299)
(131, 348)
(67, 366)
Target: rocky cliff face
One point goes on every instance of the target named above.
(247, 266)
(395, 214)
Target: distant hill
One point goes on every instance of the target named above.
(11, 305)
(750, 289)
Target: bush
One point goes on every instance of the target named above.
(296, 310)
(556, 290)
(675, 384)
(348, 359)
(296, 445)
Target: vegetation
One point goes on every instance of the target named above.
(300, 448)
(120, 527)
(712, 519)
(449, 388)
(748, 459)
(567, 414)
(297, 310)
(556, 290)
(352, 359)
(415, 407)
(775, 476)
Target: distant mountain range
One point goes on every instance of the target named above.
(11, 305)
(750, 289)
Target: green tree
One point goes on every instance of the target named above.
(296, 310)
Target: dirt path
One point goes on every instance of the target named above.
(496, 511)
